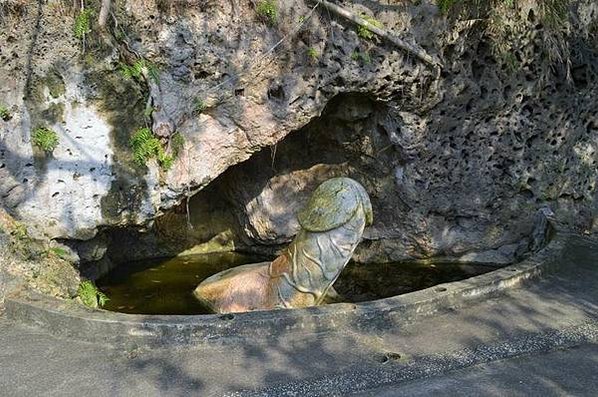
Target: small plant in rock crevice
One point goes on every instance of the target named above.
(147, 113)
(198, 106)
(20, 232)
(363, 31)
(146, 146)
(82, 24)
(4, 113)
(90, 295)
(45, 139)
(361, 56)
(268, 10)
(312, 54)
(139, 69)
(21, 243)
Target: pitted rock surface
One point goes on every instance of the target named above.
(454, 163)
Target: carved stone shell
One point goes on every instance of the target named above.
(333, 204)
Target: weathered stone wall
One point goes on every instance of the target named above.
(455, 162)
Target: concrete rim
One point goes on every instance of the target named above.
(67, 318)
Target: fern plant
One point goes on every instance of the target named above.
(138, 69)
(268, 10)
(91, 296)
(146, 146)
(45, 139)
(82, 24)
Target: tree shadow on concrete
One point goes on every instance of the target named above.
(362, 356)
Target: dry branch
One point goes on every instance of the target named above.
(410, 49)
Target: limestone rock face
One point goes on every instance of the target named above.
(455, 162)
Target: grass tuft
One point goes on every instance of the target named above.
(59, 252)
(503, 22)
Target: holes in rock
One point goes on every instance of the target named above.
(202, 74)
(388, 357)
(276, 92)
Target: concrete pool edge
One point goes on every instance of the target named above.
(67, 318)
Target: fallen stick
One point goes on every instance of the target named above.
(417, 52)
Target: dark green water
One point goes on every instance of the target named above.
(165, 286)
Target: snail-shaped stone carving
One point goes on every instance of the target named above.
(332, 224)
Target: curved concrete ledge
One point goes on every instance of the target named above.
(67, 318)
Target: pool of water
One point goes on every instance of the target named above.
(165, 286)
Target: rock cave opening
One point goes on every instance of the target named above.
(248, 214)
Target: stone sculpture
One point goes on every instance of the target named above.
(332, 224)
